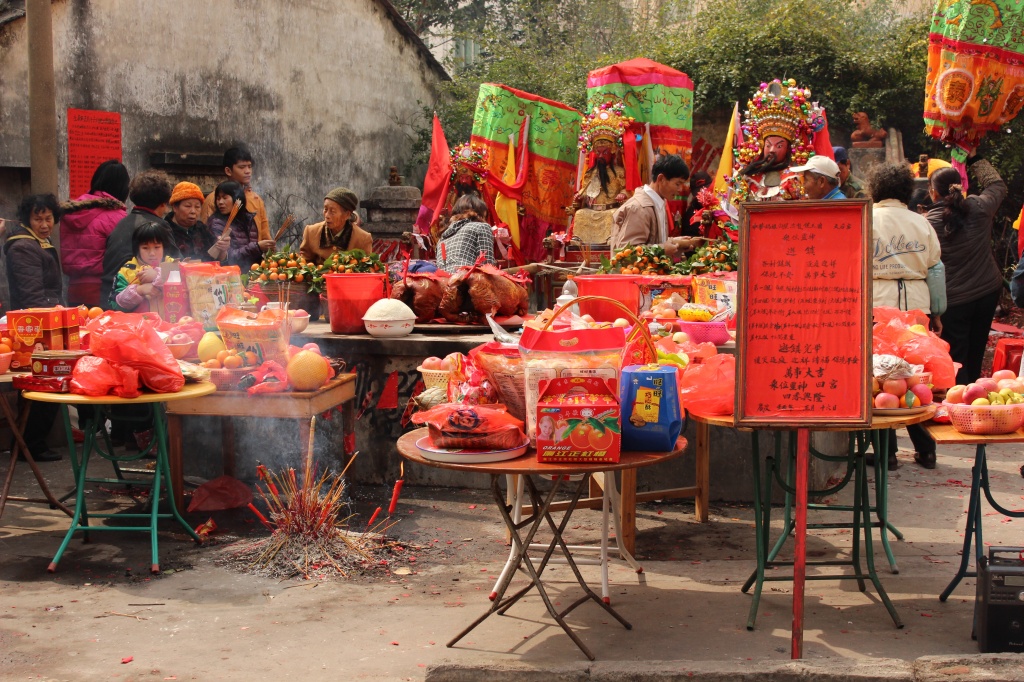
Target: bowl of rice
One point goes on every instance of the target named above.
(389, 318)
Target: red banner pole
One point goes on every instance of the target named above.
(800, 536)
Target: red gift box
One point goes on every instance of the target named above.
(578, 420)
(34, 329)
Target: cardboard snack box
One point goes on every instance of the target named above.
(578, 420)
(34, 329)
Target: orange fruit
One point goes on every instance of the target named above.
(212, 364)
(298, 277)
(4, 348)
(601, 441)
(251, 358)
(282, 261)
(233, 362)
(221, 356)
(254, 266)
(95, 312)
(263, 278)
(580, 436)
(291, 264)
(308, 371)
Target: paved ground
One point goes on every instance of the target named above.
(201, 621)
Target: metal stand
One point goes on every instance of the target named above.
(160, 482)
(17, 424)
(861, 521)
(520, 558)
(979, 485)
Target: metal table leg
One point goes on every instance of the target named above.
(540, 514)
(17, 425)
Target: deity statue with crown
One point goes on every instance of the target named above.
(464, 159)
(777, 134)
(601, 178)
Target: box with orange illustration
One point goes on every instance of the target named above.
(578, 420)
(34, 329)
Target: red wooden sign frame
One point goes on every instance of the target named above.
(804, 323)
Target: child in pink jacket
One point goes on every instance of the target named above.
(84, 228)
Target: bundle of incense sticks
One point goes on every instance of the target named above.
(289, 219)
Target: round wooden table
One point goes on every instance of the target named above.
(878, 440)
(161, 474)
(528, 467)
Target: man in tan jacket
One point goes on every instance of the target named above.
(238, 167)
(643, 219)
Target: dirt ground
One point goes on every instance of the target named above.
(103, 616)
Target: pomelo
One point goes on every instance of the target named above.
(308, 371)
(209, 346)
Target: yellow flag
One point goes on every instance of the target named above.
(507, 208)
(725, 164)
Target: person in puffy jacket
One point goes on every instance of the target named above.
(86, 223)
(241, 244)
(34, 279)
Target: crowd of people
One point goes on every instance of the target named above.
(113, 257)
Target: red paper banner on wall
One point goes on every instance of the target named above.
(804, 327)
(93, 137)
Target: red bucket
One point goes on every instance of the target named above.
(350, 295)
(623, 288)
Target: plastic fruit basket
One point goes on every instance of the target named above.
(703, 332)
(985, 420)
(435, 378)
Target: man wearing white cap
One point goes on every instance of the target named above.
(820, 178)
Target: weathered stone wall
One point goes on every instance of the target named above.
(323, 91)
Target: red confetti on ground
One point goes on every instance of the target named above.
(127, 659)
(394, 644)
(472, 506)
(926, 615)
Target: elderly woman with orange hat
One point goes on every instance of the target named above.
(194, 239)
(338, 231)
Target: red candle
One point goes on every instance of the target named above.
(394, 496)
(373, 517)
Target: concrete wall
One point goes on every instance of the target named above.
(323, 91)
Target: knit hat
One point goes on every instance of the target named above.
(186, 190)
(344, 197)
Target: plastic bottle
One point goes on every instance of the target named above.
(569, 292)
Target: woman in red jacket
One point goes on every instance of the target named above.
(84, 228)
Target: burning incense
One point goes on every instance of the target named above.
(289, 219)
(234, 212)
(397, 490)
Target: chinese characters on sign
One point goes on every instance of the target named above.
(805, 310)
(93, 137)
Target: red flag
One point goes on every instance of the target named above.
(435, 185)
(822, 141)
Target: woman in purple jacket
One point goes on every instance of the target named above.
(84, 228)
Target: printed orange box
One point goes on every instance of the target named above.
(34, 329)
(71, 320)
(578, 420)
(711, 288)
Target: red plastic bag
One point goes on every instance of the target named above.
(892, 335)
(130, 385)
(94, 376)
(130, 339)
(709, 388)
(223, 492)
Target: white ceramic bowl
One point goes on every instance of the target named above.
(299, 320)
(389, 328)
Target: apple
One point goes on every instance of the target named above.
(313, 347)
(186, 319)
(589, 319)
(886, 401)
(453, 360)
(433, 362)
(975, 391)
(894, 386)
(670, 327)
(990, 385)
(1004, 374)
(956, 394)
(180, 338)
(620, 322)
(680, 338)
(923, 393)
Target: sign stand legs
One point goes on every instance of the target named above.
(800, 551)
